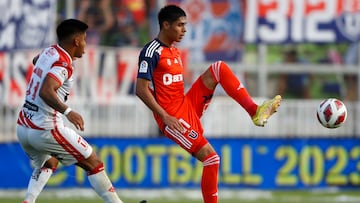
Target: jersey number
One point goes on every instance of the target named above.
(32, 89)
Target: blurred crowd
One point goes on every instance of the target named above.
(115, 22)
(118, 23)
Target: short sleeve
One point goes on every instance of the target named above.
(59, 73)
(147, 64)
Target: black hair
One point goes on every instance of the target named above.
(170, 13)
(69, 27)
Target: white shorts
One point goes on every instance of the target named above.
(62, 143)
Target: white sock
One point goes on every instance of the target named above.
(103, 187)
(38, 180)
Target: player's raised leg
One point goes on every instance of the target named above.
(222, 74)
(265, 110)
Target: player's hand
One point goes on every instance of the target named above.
(173, 123)
(76, 119)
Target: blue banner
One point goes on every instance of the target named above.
(27, 24)
(271, 163)
(294, 21)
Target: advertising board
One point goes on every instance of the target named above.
(266, 163)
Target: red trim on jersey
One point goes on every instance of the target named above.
(20, 120)
(54, 119)
(24, 121)
(61, 64)
(63, 60)
(66, 145)
(54, 77)
(96, 170)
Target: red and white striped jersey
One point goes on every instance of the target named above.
(35, 113)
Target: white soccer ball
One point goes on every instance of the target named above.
(331, 113)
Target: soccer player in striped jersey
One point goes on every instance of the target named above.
(41, 131)
(160, 86)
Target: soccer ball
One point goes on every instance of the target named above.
(331, 113)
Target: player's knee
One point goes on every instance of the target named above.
(52, 163)
(217, 69)
(223, 65)
(212, 159)
(220, 64)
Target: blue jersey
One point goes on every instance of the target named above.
(163, 67)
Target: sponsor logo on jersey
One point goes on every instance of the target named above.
(168, 78)
(31, 106)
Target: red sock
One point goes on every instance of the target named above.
(96, 170)
(233, 87)
(209, 180)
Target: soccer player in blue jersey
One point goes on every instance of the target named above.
(160, 86)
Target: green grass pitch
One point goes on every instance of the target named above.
(226, 196)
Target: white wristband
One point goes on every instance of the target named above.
(67, 111)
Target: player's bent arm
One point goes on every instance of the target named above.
(143, 92)
(48, 94)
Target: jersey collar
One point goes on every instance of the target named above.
(63, 50)
(161, 43)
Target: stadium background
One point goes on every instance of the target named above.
(293, 152)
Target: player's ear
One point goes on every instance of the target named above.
(166, 24)
(76, 40)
